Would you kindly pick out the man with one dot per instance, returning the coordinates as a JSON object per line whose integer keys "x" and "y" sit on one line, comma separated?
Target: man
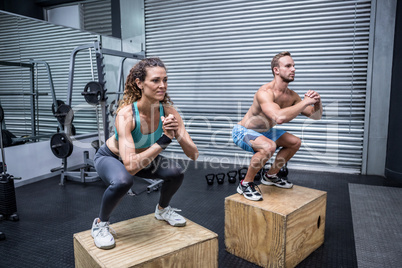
{"x": 273, "y": 104}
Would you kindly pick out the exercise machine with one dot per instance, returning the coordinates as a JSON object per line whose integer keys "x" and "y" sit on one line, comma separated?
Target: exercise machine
{"x": 9, "y": 139}
{"x": 8, "y": 203}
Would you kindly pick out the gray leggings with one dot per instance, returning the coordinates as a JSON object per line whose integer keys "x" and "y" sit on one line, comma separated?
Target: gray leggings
{"x": 112, "y": 172}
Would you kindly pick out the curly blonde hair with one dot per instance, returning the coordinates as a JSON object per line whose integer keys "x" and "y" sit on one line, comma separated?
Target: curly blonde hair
{"x": 132, "y": 92}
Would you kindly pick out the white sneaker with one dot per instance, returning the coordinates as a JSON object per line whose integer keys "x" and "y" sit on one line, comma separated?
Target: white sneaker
{"x": 249, "y": 191}
{"x": 169, "y": 214}
{"x": 275, "y": 180}
{"x": 102, "y": 237}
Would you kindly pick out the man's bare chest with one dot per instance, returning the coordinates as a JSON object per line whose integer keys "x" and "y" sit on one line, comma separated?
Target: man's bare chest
{"x": 284, "y": 100}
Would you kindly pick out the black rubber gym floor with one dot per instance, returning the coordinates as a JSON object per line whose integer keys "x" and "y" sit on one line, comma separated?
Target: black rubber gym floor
{"x": 50, "y": 214}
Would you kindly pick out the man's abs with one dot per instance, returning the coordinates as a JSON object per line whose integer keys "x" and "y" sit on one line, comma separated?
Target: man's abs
{"x": 257, "y": 122}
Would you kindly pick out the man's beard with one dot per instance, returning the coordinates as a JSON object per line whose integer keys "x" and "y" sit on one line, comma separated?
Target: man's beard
{"x": 287, "y": 80}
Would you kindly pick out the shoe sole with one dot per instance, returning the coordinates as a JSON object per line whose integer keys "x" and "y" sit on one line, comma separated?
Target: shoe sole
{"x": 239, "y": 191}
{"x": 174, "y": 225}
{"x": 103, "y": 247}
{"x": 274, "y": 184}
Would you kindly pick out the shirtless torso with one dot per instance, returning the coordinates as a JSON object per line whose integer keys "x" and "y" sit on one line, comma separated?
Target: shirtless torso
{"x": 259, "y": 120}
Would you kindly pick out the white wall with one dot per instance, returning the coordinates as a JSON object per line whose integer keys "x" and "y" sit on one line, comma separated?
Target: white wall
{"x": 132, "y": 29}
{"x": 69, "y": 16}
{"x": 33, "y": 161}
{"x": 132, "y": 25}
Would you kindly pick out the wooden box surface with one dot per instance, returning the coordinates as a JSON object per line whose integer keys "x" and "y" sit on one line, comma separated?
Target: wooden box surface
{"x": 148, "y": 242}
{"x": 280, "y": 231}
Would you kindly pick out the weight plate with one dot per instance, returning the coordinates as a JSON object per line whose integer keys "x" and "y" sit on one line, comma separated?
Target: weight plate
{"x": 6, "y": 137}
{"x": 93, "y": 93}
{"x": 73, "y": 130}
{"x": 64, "y": 114}
{"x": 61, "y": 145}
{"x": 59, "y": 102}
{"x": 95, "y": 144}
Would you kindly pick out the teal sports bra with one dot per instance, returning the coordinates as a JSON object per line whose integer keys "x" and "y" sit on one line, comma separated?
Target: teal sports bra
{"x": 141, "y": 140}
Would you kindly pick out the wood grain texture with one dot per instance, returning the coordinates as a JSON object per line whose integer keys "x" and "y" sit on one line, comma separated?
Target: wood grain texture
{"x": 147, "y": 242}
{"x": 305, "y": 230}
{"x": 279, "y": 231}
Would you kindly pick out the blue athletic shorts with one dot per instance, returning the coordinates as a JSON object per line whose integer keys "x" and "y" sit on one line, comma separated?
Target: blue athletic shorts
{"x": 242, "y": 136}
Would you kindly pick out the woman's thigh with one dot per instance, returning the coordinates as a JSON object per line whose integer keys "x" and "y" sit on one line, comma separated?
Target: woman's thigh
{"x": 161, "y": 168}
{"x": 112, "y": 170}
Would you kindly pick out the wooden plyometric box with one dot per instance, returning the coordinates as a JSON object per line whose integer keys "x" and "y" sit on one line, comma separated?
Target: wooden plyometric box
{"x": 279, "y": 231}
{"x": 148, "y": 242}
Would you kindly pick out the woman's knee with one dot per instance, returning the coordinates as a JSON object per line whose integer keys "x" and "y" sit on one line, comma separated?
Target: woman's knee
{"x": 174, "y": 172}
{"x": 177, "y": 172}
{"x": 167, "y": 167}
{"x": 123, "y": 183}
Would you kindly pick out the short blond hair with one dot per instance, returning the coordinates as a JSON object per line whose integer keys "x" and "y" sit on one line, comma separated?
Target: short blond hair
{"x": 275, "y": 60}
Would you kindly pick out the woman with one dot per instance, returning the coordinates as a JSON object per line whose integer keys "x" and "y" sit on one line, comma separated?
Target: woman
{"x": 146, "y": 123}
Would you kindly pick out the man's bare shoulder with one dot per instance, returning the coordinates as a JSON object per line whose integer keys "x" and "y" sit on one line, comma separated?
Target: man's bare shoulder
{"x": 268, "y": 87}
{"x": 265, "y": 90}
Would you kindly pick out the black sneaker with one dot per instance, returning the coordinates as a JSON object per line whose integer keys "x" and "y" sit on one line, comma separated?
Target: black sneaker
{"x": 275, "y": 180}
{"x": 249, "y": 191}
